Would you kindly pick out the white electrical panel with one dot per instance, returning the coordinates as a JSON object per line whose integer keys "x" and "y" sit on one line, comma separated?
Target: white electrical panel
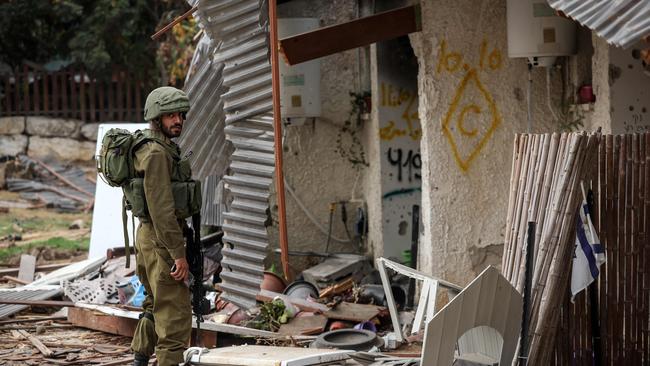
{"x": 299, "y": 84}
{"x": 535, "y": 31}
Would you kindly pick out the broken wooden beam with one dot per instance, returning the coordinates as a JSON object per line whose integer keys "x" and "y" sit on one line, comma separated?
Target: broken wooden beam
{"x": 119, "y": 325}
{"x": 15, "y": 280}
{"x": 356, "y": 33}
{"x": 42, "y": 268}
{"x": 38, "y": 302}
{"x": 33, "y": 320}
{"x": 35, "y": 341}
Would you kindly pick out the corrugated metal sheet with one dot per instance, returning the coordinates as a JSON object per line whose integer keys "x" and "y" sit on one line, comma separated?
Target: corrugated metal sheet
{"x": 621, "y": 22}
{"x": 239, "y": 27}
{"x": 22, "y": 293}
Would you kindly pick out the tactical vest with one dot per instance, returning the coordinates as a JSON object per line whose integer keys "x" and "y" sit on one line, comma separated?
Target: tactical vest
{"x": 186, "y": 192}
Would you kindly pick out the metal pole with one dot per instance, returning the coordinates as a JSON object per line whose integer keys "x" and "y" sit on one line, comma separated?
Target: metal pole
{"x": 277, "y": 122}
{"x": 528, "y": 286}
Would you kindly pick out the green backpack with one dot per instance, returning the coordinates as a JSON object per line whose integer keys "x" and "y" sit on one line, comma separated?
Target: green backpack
{"x": 115, "y": 160}
{"x": 116, "y": 167}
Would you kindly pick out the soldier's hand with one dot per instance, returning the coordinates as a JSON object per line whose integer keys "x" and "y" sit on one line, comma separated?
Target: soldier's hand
{"x": 181, "y": 271}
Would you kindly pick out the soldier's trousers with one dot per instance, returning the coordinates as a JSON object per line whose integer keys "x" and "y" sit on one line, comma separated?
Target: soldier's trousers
{"x": 167, "y": 299}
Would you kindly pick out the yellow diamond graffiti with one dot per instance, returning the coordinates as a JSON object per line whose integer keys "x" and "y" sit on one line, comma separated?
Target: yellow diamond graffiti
{"x": 473, "y": 115}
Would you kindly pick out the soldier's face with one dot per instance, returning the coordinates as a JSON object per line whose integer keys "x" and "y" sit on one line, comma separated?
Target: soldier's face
{"x": 172, "y": 124}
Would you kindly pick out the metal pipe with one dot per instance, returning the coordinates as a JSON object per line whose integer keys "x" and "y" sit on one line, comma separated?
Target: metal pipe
{"x": 277, "y": 136}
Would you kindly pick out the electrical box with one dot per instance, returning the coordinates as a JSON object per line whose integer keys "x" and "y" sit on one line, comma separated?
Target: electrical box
{"x": 535, "y": 31}
{"x": 299, "y": 84}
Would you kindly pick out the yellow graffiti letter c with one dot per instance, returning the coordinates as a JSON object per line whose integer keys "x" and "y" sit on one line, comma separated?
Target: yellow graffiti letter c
{"x": 461, "y": 119}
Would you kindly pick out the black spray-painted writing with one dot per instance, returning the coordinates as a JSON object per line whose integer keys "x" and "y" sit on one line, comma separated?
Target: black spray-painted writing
{"x": 411, "y": 161}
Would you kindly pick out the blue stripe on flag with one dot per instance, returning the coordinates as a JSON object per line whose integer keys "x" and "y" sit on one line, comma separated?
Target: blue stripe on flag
{"x": 586, "y": 248}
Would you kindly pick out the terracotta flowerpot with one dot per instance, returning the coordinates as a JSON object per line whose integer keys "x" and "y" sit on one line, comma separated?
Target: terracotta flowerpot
{"x": 273, "y": 282}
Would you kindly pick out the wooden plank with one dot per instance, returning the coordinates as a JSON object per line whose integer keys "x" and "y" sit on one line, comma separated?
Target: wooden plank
{"x": 121, "y": 325}
{"x": 27, "y": 268}
{"x": 119, "y": 99}
{"x": 90, "y": 319}
{"x": 93, "y": 99}
{"x": 33, "y": 320}
{"x": 354, "y": 312}
{"x": 138, "y": 100}
{"x": 41, "y": 268}
{"x": 305, "y": 325}
{"x": 46, "y": 92}
{"x": 36, "y": 90}
{"x": 360, "y": 32}
{"x": 38, "y": 302}
{"x": 74, "y": 101}
{"x": 17, "y": 106}
{"x": 56, "y": 101}
{"x": 130, "y": 113}
{"x": 7, "y": 95}
{"x": 82, "y": 94}
{"x": 15, "y": 280}
{"x": 65, "y": 108}
{"x": 35, "y": 341}
{"x": 101, "y": 105}
{"x": 26, "y": 104}
{"x": 110, "y": 105}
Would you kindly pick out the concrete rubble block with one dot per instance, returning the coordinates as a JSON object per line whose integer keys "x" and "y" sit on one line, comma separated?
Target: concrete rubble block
{"x": 12, "y": 144}
{"x": 61, "y": 149}
{"x": 13, "y": 125}
{"x": 52, "y": 127}
{"x": 89, "y": 131}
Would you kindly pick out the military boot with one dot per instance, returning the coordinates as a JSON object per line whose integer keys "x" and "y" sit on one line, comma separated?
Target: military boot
{"x": 140, "y": 360}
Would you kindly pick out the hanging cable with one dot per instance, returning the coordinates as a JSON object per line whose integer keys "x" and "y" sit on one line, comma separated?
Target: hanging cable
{"x": 310, "y": 215}
{"x": 548, "y": 94}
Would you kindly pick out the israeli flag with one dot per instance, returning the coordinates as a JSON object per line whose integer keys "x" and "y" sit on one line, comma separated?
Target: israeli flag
{"x": 589, "y": 253}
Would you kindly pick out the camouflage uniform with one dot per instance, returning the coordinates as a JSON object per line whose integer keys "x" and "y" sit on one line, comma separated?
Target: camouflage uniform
{"x": 165, "y": 326}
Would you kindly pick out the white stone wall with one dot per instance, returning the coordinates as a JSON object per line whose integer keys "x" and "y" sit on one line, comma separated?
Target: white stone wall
{"x": 472, "y": 102}
{"x": 45, "y": 137}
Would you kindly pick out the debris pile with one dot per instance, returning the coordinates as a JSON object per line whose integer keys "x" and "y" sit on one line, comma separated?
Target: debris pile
{"x": 52, "y": 185}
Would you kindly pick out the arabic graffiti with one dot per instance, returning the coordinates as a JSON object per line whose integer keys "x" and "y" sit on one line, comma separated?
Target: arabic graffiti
{"x": 409, "y": 124}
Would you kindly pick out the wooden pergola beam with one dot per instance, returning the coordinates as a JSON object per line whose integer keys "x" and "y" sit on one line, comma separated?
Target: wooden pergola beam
{"x": 356, "y": 33}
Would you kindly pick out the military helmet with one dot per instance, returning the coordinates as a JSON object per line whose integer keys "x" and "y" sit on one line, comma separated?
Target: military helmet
{"x": 165, "y": 99}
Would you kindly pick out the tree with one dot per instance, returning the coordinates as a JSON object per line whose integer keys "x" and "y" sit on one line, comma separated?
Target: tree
{"x": 99, "y": 34}
{"x": 36, "y": 30}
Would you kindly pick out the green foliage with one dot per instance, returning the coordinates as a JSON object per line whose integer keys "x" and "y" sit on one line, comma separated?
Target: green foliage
{"x": 348, "y": 141}
{"x": 99, "y": 34}
{"x": 271, "y": 316}
{"x": 36, "y": 30}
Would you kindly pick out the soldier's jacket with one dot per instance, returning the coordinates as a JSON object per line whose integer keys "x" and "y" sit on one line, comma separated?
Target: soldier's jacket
{"x": 154, "y": 162}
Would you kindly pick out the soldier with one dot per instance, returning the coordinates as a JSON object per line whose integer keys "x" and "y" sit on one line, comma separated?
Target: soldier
{"x": 165, "y": 324}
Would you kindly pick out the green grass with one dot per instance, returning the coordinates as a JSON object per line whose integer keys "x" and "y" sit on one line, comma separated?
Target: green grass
{"x": 53, "y": 243}
{"x": 7, "y": 224}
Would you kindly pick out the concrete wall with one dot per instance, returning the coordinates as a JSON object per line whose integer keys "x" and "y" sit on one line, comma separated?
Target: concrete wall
{"x": 318, "y": 156}
{"x": 399, "y": 133}
{"x": 629, "y": 94}
{"x": 472, "y": 102}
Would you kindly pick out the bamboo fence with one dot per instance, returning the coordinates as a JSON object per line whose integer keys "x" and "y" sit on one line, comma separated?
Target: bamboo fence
{"x": 622, "y": 199}
{"x": 545, "y": 188}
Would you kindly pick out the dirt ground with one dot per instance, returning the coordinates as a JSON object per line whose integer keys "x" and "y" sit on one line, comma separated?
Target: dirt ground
{"x": 49, "y": 235}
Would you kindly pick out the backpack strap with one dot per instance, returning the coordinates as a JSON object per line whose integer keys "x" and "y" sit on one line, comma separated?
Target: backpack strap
{"x": 126, "y": 233}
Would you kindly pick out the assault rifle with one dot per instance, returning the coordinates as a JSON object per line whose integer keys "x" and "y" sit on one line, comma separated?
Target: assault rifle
{"x": 194, "y": 254}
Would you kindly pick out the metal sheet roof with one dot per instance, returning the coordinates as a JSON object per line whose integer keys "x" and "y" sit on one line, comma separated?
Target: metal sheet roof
{"x": 239, "y": 30}
{"x": 23, "y": 293}
{"x": 621, "y": 22}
